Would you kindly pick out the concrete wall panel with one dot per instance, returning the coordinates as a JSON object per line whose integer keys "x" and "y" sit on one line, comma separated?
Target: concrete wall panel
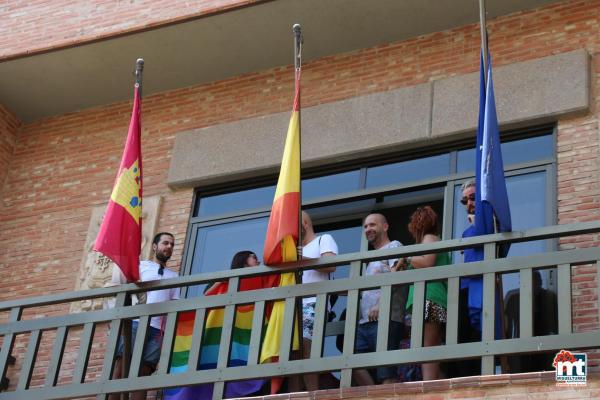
{"x": 330, "y": 133}
{"x": 528, "y": 92}
{"x": 532, "y": 91}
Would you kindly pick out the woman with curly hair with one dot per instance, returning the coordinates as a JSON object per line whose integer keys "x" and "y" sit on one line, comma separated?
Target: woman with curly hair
{"x": 423, "y": 227}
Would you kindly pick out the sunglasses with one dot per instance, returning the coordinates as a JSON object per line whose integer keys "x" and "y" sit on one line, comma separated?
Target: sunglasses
{"x": 466, "y": 199}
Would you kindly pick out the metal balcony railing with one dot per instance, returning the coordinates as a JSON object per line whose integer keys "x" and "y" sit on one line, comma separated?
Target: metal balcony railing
{"x": 486, "y": 349}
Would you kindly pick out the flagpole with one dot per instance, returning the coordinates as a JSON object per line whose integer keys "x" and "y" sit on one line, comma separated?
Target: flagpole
{"x": 298, "y": 39}
{"x": 499, "y": 287}
{"x": 484, "y": 38}
{"x": 126, "y": 358}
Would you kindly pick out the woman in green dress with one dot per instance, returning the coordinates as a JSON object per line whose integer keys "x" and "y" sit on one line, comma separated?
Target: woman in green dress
{"x": 423, "y": 227}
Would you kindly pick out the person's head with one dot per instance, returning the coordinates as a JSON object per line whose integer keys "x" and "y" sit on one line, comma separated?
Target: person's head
{"x": 162, "y": 246}
{"x": 424, "y": 221}
{"x": 307, "y": 225}
{"x": 468, "y": 196}
{"x": 376, "y": 228}
{"x": 244, "y": 258}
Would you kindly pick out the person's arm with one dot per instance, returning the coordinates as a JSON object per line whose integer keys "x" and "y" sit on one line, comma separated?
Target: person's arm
{"x": 328, "y": 247}
{"x": 426, "y": 260}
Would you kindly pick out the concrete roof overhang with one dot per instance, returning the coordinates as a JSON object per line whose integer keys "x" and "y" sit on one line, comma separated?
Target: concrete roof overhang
{"x": 222, "y": 45}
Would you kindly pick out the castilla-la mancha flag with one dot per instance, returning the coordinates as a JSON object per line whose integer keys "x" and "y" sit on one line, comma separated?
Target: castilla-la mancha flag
{"x": 120, "y": 235}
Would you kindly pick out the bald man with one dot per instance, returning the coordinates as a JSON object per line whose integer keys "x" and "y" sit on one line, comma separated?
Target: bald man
{"x": 376, "y": 231}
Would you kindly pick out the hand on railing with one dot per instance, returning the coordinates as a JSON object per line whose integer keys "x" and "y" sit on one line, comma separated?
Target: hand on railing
{"x": 374, "y": 313}
{"x": 400, "y": 265}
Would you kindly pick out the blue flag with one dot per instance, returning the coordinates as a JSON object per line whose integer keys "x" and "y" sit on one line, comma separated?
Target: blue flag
{"x": 491, "y": 196}
{"x": 492, "y": 211}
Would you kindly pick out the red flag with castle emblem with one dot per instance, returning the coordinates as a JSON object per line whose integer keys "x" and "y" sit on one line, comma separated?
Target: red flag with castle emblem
{"x": 120, "y": 235}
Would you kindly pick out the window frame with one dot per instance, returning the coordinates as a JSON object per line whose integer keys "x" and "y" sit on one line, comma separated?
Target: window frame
{"x": 447, "y": 182}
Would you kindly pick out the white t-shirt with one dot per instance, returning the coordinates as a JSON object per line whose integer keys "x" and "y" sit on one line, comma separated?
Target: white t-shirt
{"x": 315, "y": 249}
{"x": 370, "y": 298}
{"x": 149, "y": 272}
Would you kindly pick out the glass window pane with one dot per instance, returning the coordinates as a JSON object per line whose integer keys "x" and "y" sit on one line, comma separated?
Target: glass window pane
{"x": 216, "y": 245}
{"x": 408, "y": 171}
{"x": 527, "y": 198}
{"x": 330, "y": 184}
{"x": 415, "y": 197}
{"x": 237, "y": 201}
{"x": 514, "y": 152}
{"x": 263, "y": 197}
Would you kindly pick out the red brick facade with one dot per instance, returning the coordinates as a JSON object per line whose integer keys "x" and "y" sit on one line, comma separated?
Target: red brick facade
{"x": 55, "y": 169}
{"x": 530, "y": 386}
{"x": 45, "y": 25}
{"x": 9, "y": 125}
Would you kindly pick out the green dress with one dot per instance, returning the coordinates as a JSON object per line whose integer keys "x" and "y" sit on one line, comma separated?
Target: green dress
{"x": 436, "y": 291}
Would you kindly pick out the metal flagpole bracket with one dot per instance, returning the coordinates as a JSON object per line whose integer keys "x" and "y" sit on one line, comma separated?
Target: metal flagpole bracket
{"x": 139, "y": 67}
{"x": 297, "y": 29}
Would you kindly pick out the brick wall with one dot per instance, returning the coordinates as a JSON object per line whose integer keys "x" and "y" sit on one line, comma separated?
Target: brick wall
{"x": 9, "y": 125}
{"x": 43, "y": 25}
{"x": 530, "y": 386}
{"x": 64, "y": 165}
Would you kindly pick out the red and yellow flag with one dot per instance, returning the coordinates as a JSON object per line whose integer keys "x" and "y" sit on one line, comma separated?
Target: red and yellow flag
{"x": 282, "y": 232}
{"x": 120, "y": 235}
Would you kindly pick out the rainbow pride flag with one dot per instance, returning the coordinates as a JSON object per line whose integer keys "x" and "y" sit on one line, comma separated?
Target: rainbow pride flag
{"x": 210, "y": 344}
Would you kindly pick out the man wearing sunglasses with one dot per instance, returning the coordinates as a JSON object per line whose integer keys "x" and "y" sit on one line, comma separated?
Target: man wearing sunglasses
{"x": 151, "y": 270}
{"x": 471, "y": 295}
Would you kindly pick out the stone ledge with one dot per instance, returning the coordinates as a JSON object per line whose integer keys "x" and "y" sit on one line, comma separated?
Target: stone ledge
{"x": 529, "y": 92}
{"x": 537, "y": 90}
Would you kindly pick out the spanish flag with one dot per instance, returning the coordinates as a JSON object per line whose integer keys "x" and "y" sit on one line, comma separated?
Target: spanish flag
{"x": 120, "y": 235}
{"x": 282, "y": 233}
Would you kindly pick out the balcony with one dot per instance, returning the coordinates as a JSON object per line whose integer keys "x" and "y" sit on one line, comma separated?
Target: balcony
{"x": 92, "y": 350}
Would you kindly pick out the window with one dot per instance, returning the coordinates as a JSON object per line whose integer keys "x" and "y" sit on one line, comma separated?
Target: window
{"x": 224, "y": 223}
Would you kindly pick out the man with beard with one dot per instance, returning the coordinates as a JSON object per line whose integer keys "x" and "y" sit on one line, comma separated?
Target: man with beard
{"x": 376, "y": 231}
{"x": 471, "y": 291}
{"x": 151, "y": 270}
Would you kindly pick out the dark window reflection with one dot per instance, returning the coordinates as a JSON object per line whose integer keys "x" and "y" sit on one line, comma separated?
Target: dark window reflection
{"x": 263, "y": 197}
{"x": 236, "y": 201}
{"x": 517, "y": 151}
{"x": 330, "y": 184}
{"x": 408, "y": 171}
